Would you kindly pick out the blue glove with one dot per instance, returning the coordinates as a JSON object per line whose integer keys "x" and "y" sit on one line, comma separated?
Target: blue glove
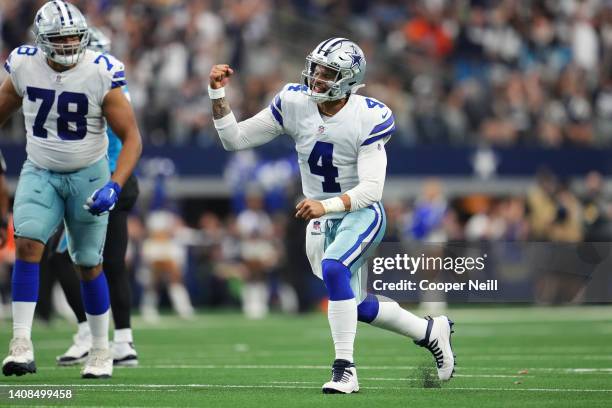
{"x": 103, "y": 199}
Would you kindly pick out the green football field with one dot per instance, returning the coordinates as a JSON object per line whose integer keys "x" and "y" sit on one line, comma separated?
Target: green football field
{"x": 523, "y": 357}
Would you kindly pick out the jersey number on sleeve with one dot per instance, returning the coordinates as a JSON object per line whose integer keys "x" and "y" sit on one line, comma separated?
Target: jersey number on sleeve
{"x": 72, "y": 108}
{"x": 323, "y": 152}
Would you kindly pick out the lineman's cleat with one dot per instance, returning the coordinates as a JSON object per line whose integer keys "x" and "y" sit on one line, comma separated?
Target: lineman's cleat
{"x": 77, "y": 352}
{"x": 344, "y": 379}
{"x": 438, "y": 341}
{"x": 99, "y": 364}
{"x": 124, "y": 354}
{"x": 20, "y": 360}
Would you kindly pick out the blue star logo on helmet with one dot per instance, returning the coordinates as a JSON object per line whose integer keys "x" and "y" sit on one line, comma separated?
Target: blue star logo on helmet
{"x": 356, "y": 59}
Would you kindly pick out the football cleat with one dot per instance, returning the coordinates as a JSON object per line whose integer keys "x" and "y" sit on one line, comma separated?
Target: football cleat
{"x": 124, "y": 354}
{"x": 77, "y": 352}
{"x": 438, "y": 341}
{"x": 99, "y": 364}
{"x": 20, "y": 360}
{"x": 344, "y": 379}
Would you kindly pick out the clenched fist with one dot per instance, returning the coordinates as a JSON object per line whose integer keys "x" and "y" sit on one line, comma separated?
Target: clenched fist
{"x": 219, "y": 75}
{"x": 309, "y": 209}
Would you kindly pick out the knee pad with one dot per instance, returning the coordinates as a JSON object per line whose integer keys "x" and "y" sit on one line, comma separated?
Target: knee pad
{"x": 368, "y": 309}
{"x": 337, "y": 278}
{"x": 87, "y": 258}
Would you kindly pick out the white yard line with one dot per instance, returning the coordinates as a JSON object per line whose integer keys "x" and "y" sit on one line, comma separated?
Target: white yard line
{"x": 163, "y": 387}
{"x": 501, "y": 371}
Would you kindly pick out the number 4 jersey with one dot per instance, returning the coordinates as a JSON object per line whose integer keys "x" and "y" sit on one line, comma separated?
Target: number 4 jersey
{"x": 328, "y": 148}
{"x": 63, "y": 110}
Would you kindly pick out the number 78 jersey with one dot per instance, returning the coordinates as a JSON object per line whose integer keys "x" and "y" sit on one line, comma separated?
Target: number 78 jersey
{"x": 328, "y": 149}
{"x": 64, "y": 125}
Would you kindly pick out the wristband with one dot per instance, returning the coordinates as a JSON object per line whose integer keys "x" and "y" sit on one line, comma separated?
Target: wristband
{"x": 333, "y": 205}
{"x": 216, "y": 93}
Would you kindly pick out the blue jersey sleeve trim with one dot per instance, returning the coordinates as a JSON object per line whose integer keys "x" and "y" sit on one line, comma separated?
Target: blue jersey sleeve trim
{"x": 277, "y": 102}
{"x": 378, "y": 137}
{"x": 118, "y": 84}
{"x": 382, "y": 126}
{"x": 277, "y": 115}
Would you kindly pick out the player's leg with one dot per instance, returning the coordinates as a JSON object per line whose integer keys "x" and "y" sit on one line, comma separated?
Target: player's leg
{"x": 86, "y": 235}
{"x": 123, "y": 349}
{"x": 431, "y": 333}
{"x": 38, "y": 209}
{"x": 115, "y": 248}
{"x": 353, "y": 238}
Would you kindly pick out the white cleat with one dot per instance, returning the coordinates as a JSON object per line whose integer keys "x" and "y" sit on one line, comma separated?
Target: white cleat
{"x": 99, "y": 364}
{"x": 438, "y": 341}
{"x": 20, "y": 360}
{"x": 344, "y": 379}
{"x": 77, "y": 352}
{"x": 124, "y": 354}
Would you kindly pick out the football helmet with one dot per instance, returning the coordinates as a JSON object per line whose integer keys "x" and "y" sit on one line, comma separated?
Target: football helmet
{"x": 98, "y": 41}
{"x": 342, "y": 56}
{"x": 56, "y": 19}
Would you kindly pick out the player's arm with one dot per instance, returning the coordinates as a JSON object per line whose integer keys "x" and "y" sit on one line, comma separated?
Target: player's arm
{"x": 120, "y": 116}
{"x": 371, "y": 169}
{"x": 4, "y": 203}
{"x": 249, "y": 133}
{"x": 10, "y": 101}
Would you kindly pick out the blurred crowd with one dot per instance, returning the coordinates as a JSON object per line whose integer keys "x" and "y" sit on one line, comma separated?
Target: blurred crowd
{"x": 501, "y": 72}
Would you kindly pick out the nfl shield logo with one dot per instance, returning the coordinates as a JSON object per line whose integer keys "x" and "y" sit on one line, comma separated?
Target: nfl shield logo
{"x": 316, "y": 226}
{"x": 321, "y": 129}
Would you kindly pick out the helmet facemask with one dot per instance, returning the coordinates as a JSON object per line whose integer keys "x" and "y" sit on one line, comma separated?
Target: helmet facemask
{"x": 333, "y": 83}
{"x": 66, "y": 54}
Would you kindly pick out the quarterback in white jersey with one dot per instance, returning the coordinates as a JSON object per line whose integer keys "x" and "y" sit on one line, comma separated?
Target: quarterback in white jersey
{"x": 68, "y": 93}
{"x": 340, "y": 140}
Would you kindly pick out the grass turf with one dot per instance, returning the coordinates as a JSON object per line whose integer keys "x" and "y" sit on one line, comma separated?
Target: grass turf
{"x": 526, "y": 357}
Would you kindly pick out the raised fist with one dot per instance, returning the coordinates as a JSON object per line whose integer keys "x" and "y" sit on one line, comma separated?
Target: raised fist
{"x": 219, "y": 75}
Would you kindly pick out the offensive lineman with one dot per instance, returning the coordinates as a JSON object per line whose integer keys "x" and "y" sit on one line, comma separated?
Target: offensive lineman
{"x": 68, "y": 93}
{"x": 339, "y": 137}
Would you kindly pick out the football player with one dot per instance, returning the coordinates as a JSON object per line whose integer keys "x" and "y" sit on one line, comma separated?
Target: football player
{"x": 340, "y": 140}
{"x": 122, "y": 347}
{"x": 68, "y": 93}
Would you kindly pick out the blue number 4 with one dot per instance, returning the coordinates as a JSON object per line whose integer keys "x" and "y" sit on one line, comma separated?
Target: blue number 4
{"x": 65, "y": 114}
{"x": 372, "y": 103}
{"x": 323, "y": 152}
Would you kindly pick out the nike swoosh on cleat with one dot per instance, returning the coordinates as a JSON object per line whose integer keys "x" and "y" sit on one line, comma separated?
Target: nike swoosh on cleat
{"x": 385, "y": 115}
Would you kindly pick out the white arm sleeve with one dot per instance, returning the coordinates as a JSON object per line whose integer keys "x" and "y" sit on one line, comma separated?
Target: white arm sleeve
{"x": 371, "y": 168}
{"x": 252, "y": 132}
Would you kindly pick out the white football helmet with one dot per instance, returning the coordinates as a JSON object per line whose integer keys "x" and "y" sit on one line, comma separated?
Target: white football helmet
{"x": 98, "y": 41}
{"x": 57, "y": 19}
{"x": 341, "y": 55}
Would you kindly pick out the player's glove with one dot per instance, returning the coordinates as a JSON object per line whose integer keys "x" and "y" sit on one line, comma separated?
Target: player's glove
{"x": 103, "y": 199}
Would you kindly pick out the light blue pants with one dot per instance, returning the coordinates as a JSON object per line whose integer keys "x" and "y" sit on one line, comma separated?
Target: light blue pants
{"x": 350, "y": 240}
{"x": 44, "y": 198}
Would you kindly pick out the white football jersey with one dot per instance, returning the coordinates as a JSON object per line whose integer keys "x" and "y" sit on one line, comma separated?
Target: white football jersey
{"x": 63, "y": 110}
{"x": 328, "y": 149}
